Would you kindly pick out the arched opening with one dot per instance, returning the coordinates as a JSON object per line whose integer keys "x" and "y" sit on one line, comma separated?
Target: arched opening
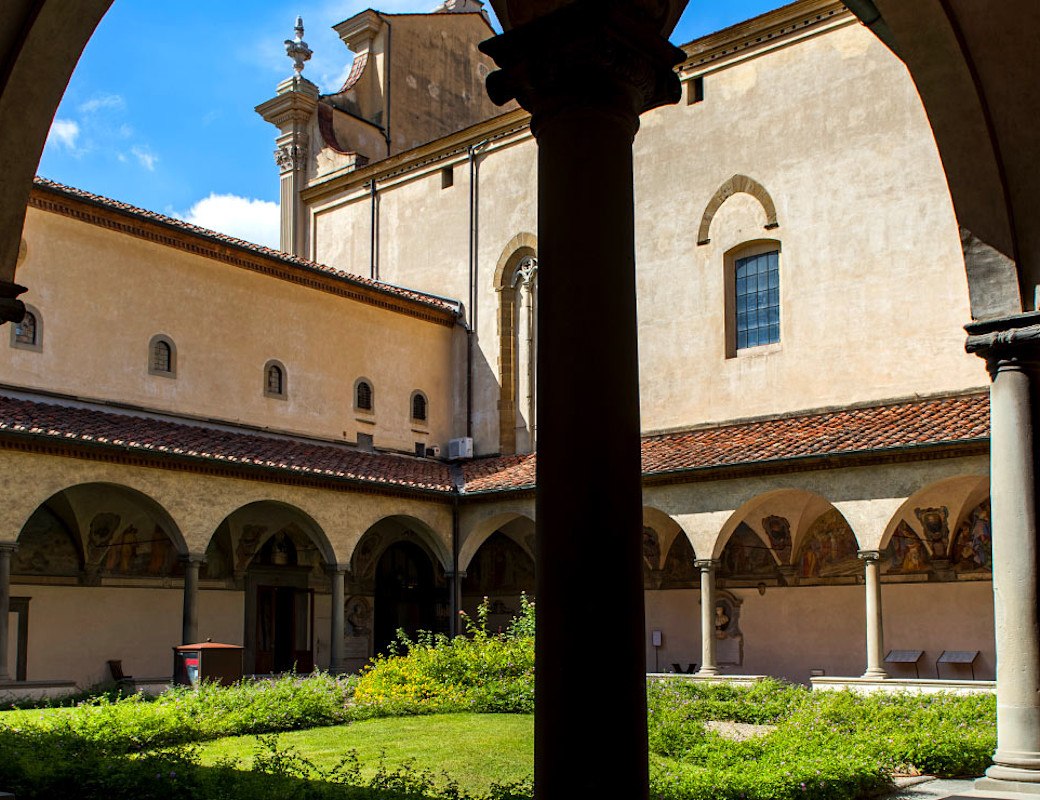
{"x": 277, "y": 556}
{"x": 501, "y": 570}
{"x": 405, "y": 594}
{"x": 516, "y": 281}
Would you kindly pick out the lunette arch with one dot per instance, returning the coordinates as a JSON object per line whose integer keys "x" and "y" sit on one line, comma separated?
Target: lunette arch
{"x": 738, "y": 184}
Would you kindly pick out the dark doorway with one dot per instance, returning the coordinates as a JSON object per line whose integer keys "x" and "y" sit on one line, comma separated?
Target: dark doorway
{"x": 284, "y": 633}
{"x": 406, "y": 595}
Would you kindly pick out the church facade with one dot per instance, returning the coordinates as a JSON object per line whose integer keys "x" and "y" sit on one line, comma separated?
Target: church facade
{"x": 293, "y": 452}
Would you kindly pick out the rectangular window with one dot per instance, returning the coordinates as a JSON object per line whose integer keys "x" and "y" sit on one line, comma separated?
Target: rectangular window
{"x": 757, "y": 299}
{"x": 447, "y": 177}
{"x": 695, "y": 90}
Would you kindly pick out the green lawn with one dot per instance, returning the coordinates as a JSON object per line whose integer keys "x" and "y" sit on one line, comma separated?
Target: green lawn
{"x": 474, "y": 749}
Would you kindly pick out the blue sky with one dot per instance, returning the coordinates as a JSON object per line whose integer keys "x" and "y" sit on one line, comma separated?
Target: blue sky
{"x": 159, "y": 112}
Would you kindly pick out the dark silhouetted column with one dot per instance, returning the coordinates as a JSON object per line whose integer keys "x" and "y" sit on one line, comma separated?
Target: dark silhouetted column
{"x": 1011, "y": 347}
{"x": 586, "y": 72}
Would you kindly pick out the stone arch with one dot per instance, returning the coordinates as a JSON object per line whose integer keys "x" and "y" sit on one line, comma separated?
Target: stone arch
{"x": 480, "y": 533}
{"x": 521, "y": 246}
{"x": 244, "y": 532}
{"x": 389, "y": 529}
{"x": 667, "y": 531}
{"x": 738, "y": 184}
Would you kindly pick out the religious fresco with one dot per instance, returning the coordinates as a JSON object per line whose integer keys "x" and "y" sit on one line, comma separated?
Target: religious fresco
{"x": 140, "y": 552}
{"x": 680, "y": 566}
{"x": 103, "y": 528}
{"x": 906, "y": 552}
{"x": 651, "y": 547}
{"x": 248, "y": 542}
{"x": 778, "y": 529}
{"x": 45, "y": 547}
{"x": 746, "y": 554}
{"x": 934, "y": 522}
{"x": 829, "y": 549}
{"x": 972, "y": 545}
{"x": 218, "y": 564}
{"x": 500, "y": 566}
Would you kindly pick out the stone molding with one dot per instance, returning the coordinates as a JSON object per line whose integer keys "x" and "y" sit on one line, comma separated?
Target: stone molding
{"x": 1004, "y": 341}
{"x": 870, "y": 555}
{"x": 589, "y": 55}
{"x": 705, "y": 564}
{"x": 738, "y": 184}
{"x": 290, "y": 157}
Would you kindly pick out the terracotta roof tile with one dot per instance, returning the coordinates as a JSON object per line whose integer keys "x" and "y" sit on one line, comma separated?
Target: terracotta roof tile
{"x": 921, "y": 423}
{"x": 288, "y": 258}
{"x": 915, "y": 424}
{"x": 147, "y": 435}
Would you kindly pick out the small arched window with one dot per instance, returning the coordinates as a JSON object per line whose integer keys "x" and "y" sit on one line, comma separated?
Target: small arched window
{"x": 363, "y": 396}
{"x": 28, "y": 334}
{"x": 162, "y": 356}
{"x": 419, "y": 410}
{"x": 274, "y": 380}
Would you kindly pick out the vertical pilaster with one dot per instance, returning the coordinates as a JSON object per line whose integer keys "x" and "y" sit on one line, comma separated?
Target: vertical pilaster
{"x": 1011, "y": 347}
{"x": 585, "y": 83}
{"x": 6, "y": 551}
{"x": 190, "y": 616}
{"x": 875, "y": 624}
{"x": 337, "y": 657}
{"x": 709, "y": 659}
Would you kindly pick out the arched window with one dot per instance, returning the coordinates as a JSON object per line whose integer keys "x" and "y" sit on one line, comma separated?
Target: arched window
{"x": 363, "y": 400}
{"x": 516, "y": 281}
{"x": 28, "y": 334}
{"x": 419, "y": 409}
{"x": 162, "y": 356}
{"x": 274, "y": 380}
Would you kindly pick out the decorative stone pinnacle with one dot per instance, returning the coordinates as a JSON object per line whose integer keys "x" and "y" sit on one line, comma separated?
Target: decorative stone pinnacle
{"x": 297, "y": 49}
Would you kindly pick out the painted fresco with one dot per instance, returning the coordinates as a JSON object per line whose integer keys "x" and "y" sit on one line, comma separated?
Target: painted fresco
{"x": 103, "y": 528}
{"x": 140, "y": 552}
{"x": 906, "y": 552}
{"x": 651, "y": 547}
{"x": 218, "y": 563}
{"x": 248, "y": 543}
{"x": 746, "y": 554}
{"x": 778, "y": 529}
{"x": 829, "y": 549}
{"x": 934, "y": 522}
{"x": 500, "y": 566}
{"x": 972, "y": 546}
{"x": 680, "y": 565}
{"x": 45, "y": 547}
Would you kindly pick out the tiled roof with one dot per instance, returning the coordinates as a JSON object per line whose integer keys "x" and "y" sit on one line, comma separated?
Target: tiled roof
{"x": 150, "y": 436}
{"x": 923, "y": 423}
{"x": 286, "y": 258}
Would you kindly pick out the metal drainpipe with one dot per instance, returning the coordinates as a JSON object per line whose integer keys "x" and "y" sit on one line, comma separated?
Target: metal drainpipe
{"x": 474, "y": 221}
{"x": 389, "y": 44}
{"x": 453, "y": 605}
{"x": 374, "y": 235}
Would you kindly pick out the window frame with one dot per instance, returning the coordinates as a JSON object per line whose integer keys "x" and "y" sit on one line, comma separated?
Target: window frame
{"x": 750, "y": 249}
{"x": 278, "y": 365}
{"x": 368, "y": 412}
{"x": 36, "y": 345}
{"x": 423, "y": 422}
{"x": 152, "y": 370}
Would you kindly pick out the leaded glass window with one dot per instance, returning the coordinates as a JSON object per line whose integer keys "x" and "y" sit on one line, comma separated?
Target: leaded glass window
{"x": 162, "y": 357}
{"x": 757, "y": 298}
{"x": 275, "y": 379}
{"x": 25, "y": 331}
{"x": 364, "y": 396}
{"x": 418, "y": 407}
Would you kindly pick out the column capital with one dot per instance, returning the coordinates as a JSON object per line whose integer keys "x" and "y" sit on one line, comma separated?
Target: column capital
{"x": 193, "y": 558}
{"x": 8, "y": 548}
{"x": 11, "y": 308}
{"x": 870, "y": 555}
{"x": 705, "y": 564}
{"x": 1006, "y": 342}
{"x": 337, "y": 569}
{"x": 588, "y": 55}
{"x": 460, "y": 574}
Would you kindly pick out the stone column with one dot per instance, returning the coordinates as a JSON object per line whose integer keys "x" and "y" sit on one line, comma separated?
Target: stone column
{"x": 585, "y": 72}
{"x": 1011, "y": 347}
{"x": 190, "y": 618}
{"x": 875, "y": 626}
{"x": 6, "y": 551}
{"x": 709, "y": 661}
{"x": 339, "y": 601}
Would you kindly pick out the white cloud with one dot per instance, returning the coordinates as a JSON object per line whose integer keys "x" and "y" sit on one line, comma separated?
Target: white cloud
{"x": 146, "y": 158}
{"x": 64, "y": 132}
{"x": 244, "y": 218}
{"x": 109, "y": 101}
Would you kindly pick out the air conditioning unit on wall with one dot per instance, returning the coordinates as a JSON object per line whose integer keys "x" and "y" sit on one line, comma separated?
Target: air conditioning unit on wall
{"x": 460, "y": 448}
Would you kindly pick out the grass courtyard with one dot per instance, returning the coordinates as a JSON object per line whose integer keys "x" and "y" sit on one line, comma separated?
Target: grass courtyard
{"x": 451, "y": 720}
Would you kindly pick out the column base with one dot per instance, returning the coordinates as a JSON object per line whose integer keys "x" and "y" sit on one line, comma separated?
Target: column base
{"x": 991, "y": 788}
{"x": 708, "y": 672}
{"x": 875, "y": 674}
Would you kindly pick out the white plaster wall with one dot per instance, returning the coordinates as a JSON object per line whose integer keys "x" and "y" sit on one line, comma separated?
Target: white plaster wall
{"x": 676, "y": 613}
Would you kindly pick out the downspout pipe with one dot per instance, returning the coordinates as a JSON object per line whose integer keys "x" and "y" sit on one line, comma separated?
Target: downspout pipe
{"x": 474, "y": 233}
{"x": 373, "y": 267}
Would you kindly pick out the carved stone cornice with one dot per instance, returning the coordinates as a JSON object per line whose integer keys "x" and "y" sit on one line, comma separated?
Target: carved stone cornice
{"x": 592, "y": 54}
{"x": 1006, "y": 341}
{"x": 11, "y": 308}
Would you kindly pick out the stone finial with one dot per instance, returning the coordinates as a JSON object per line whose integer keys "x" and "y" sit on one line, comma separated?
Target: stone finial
{"x": 297, "y": 49}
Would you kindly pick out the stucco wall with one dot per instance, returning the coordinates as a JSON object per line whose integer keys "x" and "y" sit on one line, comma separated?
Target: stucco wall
{"x": 226, "y": 323}
{"x": 789, "y": 631}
